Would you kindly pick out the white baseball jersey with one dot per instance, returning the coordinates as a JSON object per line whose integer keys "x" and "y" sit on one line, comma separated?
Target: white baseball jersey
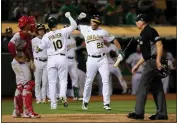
{"x": 95, "y": 39}
{"x": 71, "y": 47}
{"x": 55, "y": 41}
{"x": 35, "y": 42}
{"x": 133, "y": 59}
{"x": 107, "y": 50}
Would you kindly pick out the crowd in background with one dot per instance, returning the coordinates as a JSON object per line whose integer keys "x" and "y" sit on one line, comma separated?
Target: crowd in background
{"x": 113, "y": 12}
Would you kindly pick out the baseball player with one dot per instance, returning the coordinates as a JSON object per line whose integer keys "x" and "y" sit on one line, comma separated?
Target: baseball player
{"x": 72, "y": 64}
{"x": 97, "y": 60}
{"x": 165, "y": 81}
{"x": 112, "y": 55}
{"x": 132, "y": 60}
{"x": 55, "y": 42}
{"x": 21, "y": 50}
{"x": 40, "y": 61}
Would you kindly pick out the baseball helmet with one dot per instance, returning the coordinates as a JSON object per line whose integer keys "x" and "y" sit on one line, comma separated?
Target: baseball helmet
{"x": 39, "y": 27}
{"x": 9, "y": 30}
{"x": 142, "y": 17}
{"x": 52, "y": 22}
{"x": 164, "y": 71}
{"x": 96, "y": 19}
{"x": 23, "y": 21}
{"x": 32, "y": 21}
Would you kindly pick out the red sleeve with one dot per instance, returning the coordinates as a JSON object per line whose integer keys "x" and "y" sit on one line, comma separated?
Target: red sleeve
{"x": 11, "y": 48}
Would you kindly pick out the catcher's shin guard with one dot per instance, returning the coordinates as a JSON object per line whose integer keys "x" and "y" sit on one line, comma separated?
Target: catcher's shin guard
{"x": 18, "y": 100}
{"x": 27, "y": 96}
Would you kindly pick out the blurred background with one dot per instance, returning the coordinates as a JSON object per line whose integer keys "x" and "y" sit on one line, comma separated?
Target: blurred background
{"x": 118, "y": 17}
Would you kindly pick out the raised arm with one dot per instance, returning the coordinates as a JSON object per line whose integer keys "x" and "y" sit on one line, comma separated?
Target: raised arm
{"x": 73, "y": 24}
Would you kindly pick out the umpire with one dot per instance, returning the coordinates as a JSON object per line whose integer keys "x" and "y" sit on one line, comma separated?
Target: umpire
{"x": 152, "y": 48}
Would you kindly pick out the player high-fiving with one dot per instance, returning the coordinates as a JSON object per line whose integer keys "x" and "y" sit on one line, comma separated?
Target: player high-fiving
{"x": 97, "y": 60}
{"x": 56, "y": 45}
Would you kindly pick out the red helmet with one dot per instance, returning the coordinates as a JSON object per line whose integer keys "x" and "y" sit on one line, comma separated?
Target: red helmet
{"x": 32, "y": 21}
{"x": 23, "y": 21}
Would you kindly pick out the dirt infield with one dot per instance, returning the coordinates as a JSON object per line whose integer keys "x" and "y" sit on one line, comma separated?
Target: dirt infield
{"x": 91, "y": 117}
{"x": 82, "y": 118}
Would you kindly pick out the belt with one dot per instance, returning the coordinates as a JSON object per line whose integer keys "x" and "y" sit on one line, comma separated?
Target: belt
{"x": 98, "y": 56}
{"x": 70, "y": 57}
{"x": 58, "y": 54}
{"x": 43, "y": 60}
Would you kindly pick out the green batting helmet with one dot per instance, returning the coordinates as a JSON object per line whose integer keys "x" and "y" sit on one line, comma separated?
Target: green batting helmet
{"x": 52, "y": 22}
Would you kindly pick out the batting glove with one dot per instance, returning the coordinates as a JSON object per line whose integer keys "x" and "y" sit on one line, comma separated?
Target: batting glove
{"x": 120, "y": 52}
{"x": 82, "y": 15}
{"x": 67, "y": 14}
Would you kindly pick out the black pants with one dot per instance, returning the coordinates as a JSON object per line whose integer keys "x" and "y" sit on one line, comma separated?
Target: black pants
{"x": 150, "y": 80}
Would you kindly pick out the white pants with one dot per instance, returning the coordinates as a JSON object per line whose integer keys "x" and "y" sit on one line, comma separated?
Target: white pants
{"x": 40, "y": 74}
{"x": 118, "y": 74}
{"x": 81, "y": 81}
{"x": 57, "y": 67}
{"x": 72, "y": 68}
{"x": 165, "y": 82}
{"x": 22, "y": 72}
{"x": 135, "y": 81}
{"x": 94, "y": 65}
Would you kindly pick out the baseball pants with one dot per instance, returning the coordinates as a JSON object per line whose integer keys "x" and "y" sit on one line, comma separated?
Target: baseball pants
{"x": 57, "y": 67}
{"x": 40, "y": 76}
{"x": 93, "y": 65}
{"x": 118, "y": 74}
{"x": 135, "y": 81}
{"x": 165, "y": 82}
{"x": 72, "y": 68}
{"x": 150, "y": 80}
{"x": 23, "y": 92}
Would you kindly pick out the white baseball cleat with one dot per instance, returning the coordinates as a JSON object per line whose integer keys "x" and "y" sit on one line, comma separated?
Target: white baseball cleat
{"x": 80, "y": 98}
{"x": 44, "y": 101}
{"x": 107, "y": 107}
{"x": 16, "y": 115}
{"x": 75, "y": 98}
{"x": 31, "y": 115}
{"x": 54, "y": 106}
{"x": 38, "y": 101}
{"x": 124, "y": 90}
{"x": 84, "y": 106}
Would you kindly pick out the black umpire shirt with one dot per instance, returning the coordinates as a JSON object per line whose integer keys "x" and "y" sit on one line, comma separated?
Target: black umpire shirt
{"x": 148, "y": 37}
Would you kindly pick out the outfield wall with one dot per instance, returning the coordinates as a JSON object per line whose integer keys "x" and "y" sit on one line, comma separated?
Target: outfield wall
{"x": 122, "y": 31}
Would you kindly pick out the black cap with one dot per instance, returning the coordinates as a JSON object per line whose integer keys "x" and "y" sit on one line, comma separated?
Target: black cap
{"x": 96, "y": 18}
{"x": 142, "y": 17}
{"x": 40, "y": 26}
{"x": 52, "y": 22}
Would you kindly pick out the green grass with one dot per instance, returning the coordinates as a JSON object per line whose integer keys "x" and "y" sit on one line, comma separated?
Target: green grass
{"x": 121, "y": 107}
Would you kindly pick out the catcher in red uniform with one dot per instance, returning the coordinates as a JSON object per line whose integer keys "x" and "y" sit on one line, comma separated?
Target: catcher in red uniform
{"x": 22, "y": 64}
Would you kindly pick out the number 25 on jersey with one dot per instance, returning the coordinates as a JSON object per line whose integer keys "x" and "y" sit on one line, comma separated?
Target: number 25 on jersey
{"x": 57, "y": 44}
{"x": 100, "y": 45}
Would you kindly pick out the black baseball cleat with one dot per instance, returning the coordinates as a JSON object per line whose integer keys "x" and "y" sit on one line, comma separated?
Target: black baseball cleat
{"x": 64, "y": 101}
{"x": 157, "y": 117}
{"x": 135, "y": 116}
